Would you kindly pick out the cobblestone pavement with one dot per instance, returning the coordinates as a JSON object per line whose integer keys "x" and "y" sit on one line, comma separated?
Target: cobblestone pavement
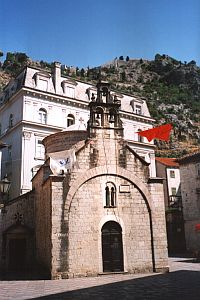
{"x": 183, "y": 282}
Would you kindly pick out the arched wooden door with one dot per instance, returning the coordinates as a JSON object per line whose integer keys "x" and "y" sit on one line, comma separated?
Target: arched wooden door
{"x": 112, "y": 248}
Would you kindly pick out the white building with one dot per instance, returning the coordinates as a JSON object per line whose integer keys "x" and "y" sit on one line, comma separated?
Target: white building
{"x": 38, "y": 103}
{"x": 168, "y": 168}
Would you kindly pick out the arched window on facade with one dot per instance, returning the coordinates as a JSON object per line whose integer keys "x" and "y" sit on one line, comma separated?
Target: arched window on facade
{"x": 11, "y": 121}
{"x": 42, "y": 116}
{"x": 110, "y": 195}
{"x": 70, "y": 120}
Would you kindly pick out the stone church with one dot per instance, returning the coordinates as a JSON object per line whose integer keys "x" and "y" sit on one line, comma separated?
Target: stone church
{"x": 93, "y": 209}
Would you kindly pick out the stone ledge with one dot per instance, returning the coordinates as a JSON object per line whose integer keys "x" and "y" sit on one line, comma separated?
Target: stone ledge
{"x": 112, "y": 273}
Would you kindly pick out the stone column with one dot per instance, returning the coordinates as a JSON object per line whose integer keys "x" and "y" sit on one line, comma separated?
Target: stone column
{"x": 159, "y": 225}
{"x": 26, "y": 163}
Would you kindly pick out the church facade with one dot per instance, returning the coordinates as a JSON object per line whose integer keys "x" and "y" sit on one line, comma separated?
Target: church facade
{"x": 94, "y": 208}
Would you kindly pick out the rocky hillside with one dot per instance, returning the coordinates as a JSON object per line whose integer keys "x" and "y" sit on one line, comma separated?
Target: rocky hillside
{"x": 172, "y": 91}
{"x": 170, "y": 87}
{"x": 12, "y": 65}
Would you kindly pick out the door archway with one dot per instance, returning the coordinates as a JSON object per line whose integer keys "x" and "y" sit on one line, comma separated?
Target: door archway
{"x": 18, "y": 248}
{"x": 112, "y": 247}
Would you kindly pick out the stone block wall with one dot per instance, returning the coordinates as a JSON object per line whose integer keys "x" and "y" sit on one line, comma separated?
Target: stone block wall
{"x": 59, "y": 233}
{"x": 87, "y": 216}
{"x": 70, "y": 211}
{"x": 190, "y": 183}
{"x": 159, "y": 225}
{"x": 140, "y": 211}
{"x": 82, "y": 253}
{"x": 43, "y": 222}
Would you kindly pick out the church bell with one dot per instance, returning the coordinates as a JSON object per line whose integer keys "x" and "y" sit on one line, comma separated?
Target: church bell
{"x": 111, "y": 118}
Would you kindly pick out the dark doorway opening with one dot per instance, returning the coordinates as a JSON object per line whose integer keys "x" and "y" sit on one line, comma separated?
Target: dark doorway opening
{"x": 17, "y": 254}
{"x": 112, "y": 248}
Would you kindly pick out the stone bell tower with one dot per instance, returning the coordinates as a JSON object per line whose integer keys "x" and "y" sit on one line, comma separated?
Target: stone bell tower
{"x": 104, "y": 111}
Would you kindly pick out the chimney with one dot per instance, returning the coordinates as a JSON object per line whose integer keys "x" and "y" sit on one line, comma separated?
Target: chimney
{"x": 57, "y": 77}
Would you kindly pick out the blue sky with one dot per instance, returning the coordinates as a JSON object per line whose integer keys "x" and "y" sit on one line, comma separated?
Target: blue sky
{"x": 89, "y": 33}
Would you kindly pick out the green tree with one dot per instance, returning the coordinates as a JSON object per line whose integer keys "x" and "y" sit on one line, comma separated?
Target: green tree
{"x": 21, "y": 57}
{"x": 158, "y": 56}
{"x": 77, "y": 71}
{"x": 192, "y": 62}
{"x": 123, "y": 76}
{"x": 82, "y": 72}
{"x": 10, "y": 57}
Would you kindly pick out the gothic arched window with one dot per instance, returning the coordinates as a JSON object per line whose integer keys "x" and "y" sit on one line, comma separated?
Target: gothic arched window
{"x": 110, "y": 195}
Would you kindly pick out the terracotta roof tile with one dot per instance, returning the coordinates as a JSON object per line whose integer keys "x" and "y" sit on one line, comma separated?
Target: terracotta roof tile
{"x": 169, "y": 162}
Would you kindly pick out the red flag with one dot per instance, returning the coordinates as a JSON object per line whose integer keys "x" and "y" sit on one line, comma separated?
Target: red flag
{"x": 161, "y": 132}
{"x": 197, "y": 227}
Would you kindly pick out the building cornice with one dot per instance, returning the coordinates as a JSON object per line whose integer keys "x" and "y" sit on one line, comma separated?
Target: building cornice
{"x": 33, "y": 125}
{"x": 136, "y": 117}
{"x": 74, "y": 102}
{"x": 56, "y": 98}
{"x": 43, "y": 126}
{"x": 142, "y": 144}
{"x": 83, "y": 104}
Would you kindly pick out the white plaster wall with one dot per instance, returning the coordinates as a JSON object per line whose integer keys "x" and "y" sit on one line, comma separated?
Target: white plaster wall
{"x": 131, "y": 128}
{"x": 12, "y": 165}
{"x": 173, "y": 182}
{"x": 13, "y": 107}
{"x": 56, "y": 113}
